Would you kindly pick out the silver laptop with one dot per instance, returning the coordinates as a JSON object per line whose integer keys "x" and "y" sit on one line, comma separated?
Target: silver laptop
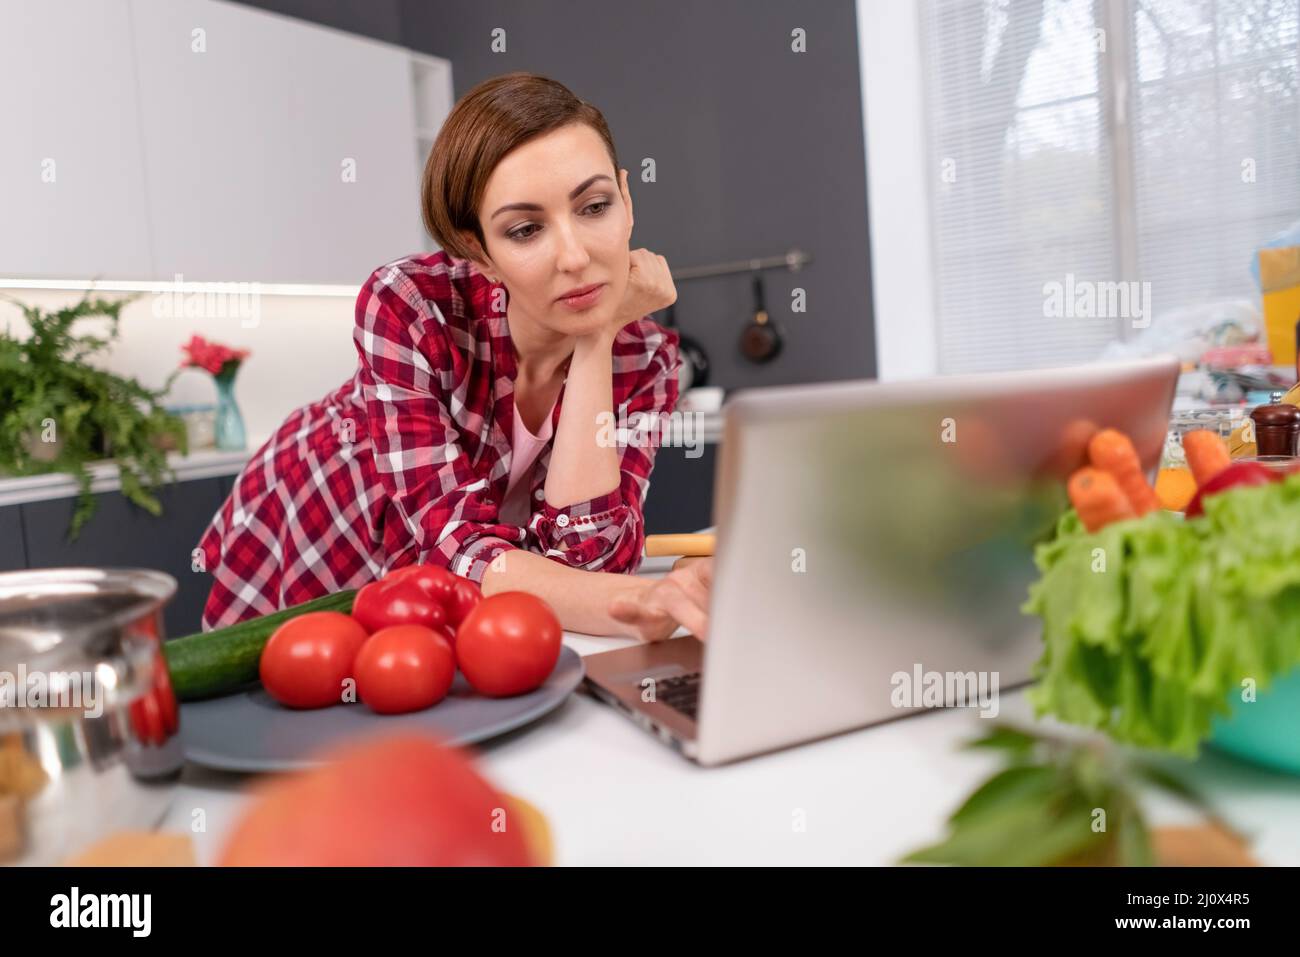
{"x": 874, "y": 546}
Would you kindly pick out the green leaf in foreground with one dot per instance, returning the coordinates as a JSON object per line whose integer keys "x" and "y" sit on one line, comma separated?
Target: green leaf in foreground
{"x": 1056, "y": 802}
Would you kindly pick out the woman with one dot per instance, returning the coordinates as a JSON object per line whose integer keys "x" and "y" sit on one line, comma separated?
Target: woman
{"x": 470, "y": 435}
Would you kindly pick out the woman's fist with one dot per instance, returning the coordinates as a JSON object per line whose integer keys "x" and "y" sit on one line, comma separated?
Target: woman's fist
{"x": 649, "y": 287}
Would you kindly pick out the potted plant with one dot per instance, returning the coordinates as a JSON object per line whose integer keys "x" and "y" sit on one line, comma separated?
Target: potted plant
{"x": 58, "y": 412}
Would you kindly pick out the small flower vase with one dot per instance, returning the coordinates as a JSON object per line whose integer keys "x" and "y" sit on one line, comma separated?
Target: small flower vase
{"x": 230, "y": 423}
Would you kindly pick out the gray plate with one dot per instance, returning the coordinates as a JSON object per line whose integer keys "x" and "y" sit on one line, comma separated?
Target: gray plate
{"x": 249, "y": 731}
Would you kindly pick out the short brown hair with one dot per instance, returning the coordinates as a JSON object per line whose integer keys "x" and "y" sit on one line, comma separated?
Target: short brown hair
{"x": 487, "y": 123}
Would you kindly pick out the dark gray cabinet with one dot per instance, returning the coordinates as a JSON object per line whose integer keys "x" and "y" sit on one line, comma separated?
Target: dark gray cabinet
{"x": 13, "y": 545}
{"x": 680, "y": 497}
{"x": 120, "y": 534}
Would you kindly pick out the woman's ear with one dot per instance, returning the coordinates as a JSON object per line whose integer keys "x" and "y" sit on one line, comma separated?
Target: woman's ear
{"x": 627, "y": 199}
{"x": 478, "y": 256}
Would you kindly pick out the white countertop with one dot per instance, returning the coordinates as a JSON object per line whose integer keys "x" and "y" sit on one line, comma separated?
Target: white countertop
{"x": 615, "y": 795}
{"x": 205, "y": 463}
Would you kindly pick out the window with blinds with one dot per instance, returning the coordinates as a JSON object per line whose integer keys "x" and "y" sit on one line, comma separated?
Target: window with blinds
{"x": 1216, "y": 151}
{"x": 1083, "y": 145}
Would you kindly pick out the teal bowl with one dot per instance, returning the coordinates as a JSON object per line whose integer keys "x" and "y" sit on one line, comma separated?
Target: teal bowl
{"x": 1265, "y": 731}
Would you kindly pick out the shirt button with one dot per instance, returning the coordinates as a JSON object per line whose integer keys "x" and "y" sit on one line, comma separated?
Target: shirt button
{"x": 562, "y": 520}
{"x": 539, "y": 494}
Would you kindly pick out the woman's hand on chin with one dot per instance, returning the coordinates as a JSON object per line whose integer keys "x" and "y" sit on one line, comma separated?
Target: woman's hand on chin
{"x": 649, "y": 288}
{"x": 658, "y": 607}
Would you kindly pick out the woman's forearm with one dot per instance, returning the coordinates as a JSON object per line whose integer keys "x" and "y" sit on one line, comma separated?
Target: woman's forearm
{"x": 580, "y": 598}
{"x": 581, "y": 468}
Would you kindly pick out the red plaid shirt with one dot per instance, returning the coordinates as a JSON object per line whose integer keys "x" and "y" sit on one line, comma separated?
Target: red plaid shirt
{"x": 408, "y": 461}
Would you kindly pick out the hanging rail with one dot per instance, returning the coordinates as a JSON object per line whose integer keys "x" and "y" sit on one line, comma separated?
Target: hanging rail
{"x": 794, "y": 260}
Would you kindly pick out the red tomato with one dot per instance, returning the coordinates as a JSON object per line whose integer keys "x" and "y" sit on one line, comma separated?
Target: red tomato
{"x": 465, "y": 597}
{"x": 404, "y": 668}
{"x": 147, "y": 720}
{"x": 433, "y": 580}
{"x": 508, "y": 644}
{"x": 401, "y": 801}
{"x": 392, "y": 601}
{"x": 307, "y": 659}
{"x": 1236, "y": 475}
{"x": 153, "y": 715}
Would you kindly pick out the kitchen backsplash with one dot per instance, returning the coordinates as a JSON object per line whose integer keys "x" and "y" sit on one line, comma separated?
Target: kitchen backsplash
{"x": 301, "y": 348}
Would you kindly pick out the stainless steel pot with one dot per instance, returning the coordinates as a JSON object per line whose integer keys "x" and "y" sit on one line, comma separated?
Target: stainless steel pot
{"x": 88, "y": 720}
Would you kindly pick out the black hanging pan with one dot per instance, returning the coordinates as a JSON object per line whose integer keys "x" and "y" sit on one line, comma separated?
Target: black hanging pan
{"x": 761, "y": 340}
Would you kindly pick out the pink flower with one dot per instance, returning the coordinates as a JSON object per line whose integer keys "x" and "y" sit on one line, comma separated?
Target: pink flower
{"x": 212, "y": 356}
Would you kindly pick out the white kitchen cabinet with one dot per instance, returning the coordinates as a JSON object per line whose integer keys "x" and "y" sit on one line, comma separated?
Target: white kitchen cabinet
{"x": 278, "y": 151}
{"x": 72, "y": 186}
{"x": 434, "y": 98}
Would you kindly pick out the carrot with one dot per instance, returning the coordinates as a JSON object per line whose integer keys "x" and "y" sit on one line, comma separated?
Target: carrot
{"x": 1111, "y": 451}
{"x": 1098, "y": 499}
{"x": 1207, "y": 454}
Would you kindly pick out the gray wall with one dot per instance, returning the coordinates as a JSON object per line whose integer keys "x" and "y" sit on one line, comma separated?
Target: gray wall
{"x": 757, "y": 148}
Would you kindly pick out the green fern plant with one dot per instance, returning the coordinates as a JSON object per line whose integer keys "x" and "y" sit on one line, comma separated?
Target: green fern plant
{"x": 59, "y": 413}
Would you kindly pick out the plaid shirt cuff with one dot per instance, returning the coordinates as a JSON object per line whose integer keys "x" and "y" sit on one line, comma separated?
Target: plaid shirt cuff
{"x": 473, "y": 560}
{"x": 600, "y": 534}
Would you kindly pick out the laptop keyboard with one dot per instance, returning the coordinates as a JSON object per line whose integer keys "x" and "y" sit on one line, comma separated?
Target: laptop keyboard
{"x": 680, "y": 692}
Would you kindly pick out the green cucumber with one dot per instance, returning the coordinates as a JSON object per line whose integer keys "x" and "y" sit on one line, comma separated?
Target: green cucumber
{"x": 223, "y": 660}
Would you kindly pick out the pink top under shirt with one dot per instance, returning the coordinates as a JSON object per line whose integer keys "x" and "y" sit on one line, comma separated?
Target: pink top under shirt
{"x": 524, "y": 449}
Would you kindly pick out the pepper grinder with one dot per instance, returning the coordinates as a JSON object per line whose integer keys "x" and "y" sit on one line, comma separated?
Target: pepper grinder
{"x": 1277, "y": 427}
